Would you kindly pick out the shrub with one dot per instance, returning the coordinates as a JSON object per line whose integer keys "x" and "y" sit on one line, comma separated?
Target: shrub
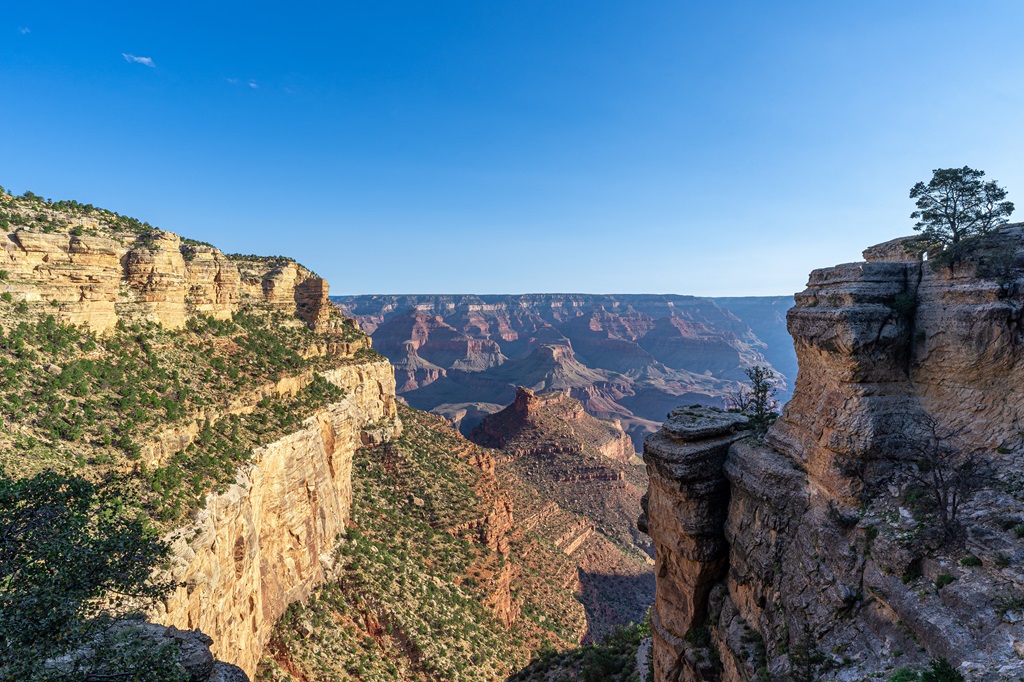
{"x": 941, "y": 671}
{"x": 67, "y": 543}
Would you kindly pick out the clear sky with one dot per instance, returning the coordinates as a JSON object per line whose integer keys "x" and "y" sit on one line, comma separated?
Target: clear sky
{"x": 716, "y": 148}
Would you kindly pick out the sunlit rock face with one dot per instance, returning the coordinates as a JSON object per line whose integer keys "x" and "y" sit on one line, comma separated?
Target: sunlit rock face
{"x": 97, "y": 280}
{"x": 812, "y": 553}
{"x": 269, "y": 539}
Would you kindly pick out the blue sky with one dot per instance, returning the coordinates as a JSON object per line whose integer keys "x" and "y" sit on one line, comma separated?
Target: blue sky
{"x": 716, "y": 148}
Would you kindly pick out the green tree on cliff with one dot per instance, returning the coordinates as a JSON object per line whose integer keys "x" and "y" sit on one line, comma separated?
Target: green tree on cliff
{"x": 956, "y": 204}
{"x": 75, "y": 562}
{"x": 756, "y": 400}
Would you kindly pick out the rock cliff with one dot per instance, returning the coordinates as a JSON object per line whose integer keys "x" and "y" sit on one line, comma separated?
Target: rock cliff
{"x": 824, "y": 551}
{"x": 93, "y": 272}
{"x": 269, "y": 539}
{"x": 227, "y": 390}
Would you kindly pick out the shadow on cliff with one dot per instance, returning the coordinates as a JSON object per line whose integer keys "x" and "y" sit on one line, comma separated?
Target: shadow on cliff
{"x": 611, "y": 600}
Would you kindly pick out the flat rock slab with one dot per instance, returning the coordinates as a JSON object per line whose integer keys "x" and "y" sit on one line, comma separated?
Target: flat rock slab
{"x": 699, "y": 422}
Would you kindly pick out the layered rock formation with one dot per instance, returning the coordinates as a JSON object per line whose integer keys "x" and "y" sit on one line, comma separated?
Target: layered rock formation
{"x": 625, "y": 357}
{"x": 819, "y": 552}
{"x": 688, "y": 496}
{"x": 214, "y": 282}
{"x": 586, "y": 467}
{"x": 81, "y": 273}
{"x": 268, "y": 540}
{"x": 535, "y": 424}
{"x": 248, "y": 400}
{"x": 97, "y": 279}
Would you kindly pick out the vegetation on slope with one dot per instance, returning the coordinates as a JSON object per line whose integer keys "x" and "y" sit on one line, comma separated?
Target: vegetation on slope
{"x": 614, "y": 659}
{"x": 74, "y": 401}
{"x": 75, "y": 562}
{"x": 415, "y": 582}
{"x": 126, "y": 427}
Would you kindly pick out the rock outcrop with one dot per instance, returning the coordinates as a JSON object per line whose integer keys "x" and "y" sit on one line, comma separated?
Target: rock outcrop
{"x": 551, "y": 422}
{"x": 155, "y": 273}
{"x": 97, "y": 280}
{"x": 214, "y": 282}
{"x": 688, "y": 495}
{"x": 268, "y": 540}
{"x": 194, "y": 654}
{"x": 81, "y": 273}
{"x": 818, "y": 552}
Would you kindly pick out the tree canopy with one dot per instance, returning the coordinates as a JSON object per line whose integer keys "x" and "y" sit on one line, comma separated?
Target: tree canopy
{"x": 956, "y": 204}
{"x": 757, "y": 400}
{"x": 75, "y": 562}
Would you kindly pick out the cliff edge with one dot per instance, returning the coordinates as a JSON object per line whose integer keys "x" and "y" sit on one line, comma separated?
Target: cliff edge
{"x": 226, "y": 390}
{"x": 876, "y": 529}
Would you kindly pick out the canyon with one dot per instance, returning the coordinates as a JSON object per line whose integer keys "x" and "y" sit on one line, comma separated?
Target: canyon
{"x": 630, "y": 358}
{"x": 262, "y": 436}
{"x": 321, "y": 528}
{"x": 819, "y": 551}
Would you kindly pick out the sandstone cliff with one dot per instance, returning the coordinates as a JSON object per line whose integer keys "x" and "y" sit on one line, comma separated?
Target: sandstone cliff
{"x": 819, "y": 552}
{"x": 227, "y": 391}
{"x": 269, "y": 539}
{"x": 93, "y": 271}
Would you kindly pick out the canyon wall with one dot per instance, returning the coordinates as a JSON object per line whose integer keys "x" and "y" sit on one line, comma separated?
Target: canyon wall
{"x": 630, "y": 358}
{"x": 95, "y": 280}
{"x": 819, "y": 552}
{"x": 248, "y": 548}
{"x": 269, "y": 539}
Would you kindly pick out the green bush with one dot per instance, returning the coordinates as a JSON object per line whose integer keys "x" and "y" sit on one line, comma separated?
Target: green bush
{"x": 941, "y": 671}
{"x": 69, "y": 543}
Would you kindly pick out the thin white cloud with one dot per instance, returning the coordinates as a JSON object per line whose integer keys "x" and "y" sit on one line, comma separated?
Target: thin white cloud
{"x": 145, "y": 61}
{"x": 24, "y": 30}
{"x": 233, "y": 81}
{"x": 254, "y": 85}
